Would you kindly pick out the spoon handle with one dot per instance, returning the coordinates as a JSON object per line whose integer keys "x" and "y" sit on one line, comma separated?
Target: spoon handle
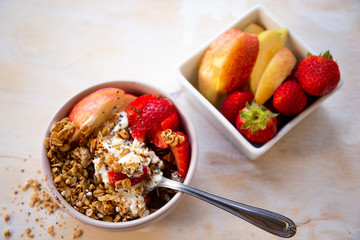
{"x": 271, "y": 222}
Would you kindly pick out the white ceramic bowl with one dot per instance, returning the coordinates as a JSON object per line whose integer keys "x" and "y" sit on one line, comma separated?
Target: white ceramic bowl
{"x": 187, "y": 74}
{"x": 136, "y": 89}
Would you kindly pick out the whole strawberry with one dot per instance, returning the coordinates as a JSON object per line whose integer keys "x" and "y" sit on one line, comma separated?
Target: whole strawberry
{"x": 318, "y": 75}
{"x": 234, "y": 103}
{"x": 256, "y": 123}
{"x": 289, "y": 98}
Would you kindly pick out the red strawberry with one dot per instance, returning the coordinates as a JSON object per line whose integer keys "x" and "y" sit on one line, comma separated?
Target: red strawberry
{"x": 146, "y": 113}
{"x": 293, "y": 76}
{"x": 182, "y": 155}
{"x": 171, "y": 122}
{"x": 289, "y": 98}
{"x": 135, "y": 107}
{"x": 154, "y": 135}
{"x": 234, "y": 103}
{"x": 256, "y": 124}
{"x": 156, "y": 111}
{"x": 116, "y": 176}
{"x": 134, "y": 111}
{"x": 318, "y": 75}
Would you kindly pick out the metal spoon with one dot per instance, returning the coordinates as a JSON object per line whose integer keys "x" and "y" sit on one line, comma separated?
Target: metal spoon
{"x": 269, "y": 221}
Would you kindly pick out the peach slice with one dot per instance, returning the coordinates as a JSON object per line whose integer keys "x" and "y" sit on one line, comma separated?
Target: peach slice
{"x": 279, "y": 67}
{"x": 227, "y": 64}
{"x": 92, "y": 111}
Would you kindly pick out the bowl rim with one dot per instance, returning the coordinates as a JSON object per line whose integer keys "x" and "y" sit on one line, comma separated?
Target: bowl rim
{"x": 250, "y": 151}
{"x": 190, "y": 131}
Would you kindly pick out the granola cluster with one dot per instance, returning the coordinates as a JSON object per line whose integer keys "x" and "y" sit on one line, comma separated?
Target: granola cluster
{"x": 79, "y": 171}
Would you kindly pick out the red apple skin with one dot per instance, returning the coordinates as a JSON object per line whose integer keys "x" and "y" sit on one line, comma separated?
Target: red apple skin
{"x": 93, "y": 110}
{"x": 227, "y": 64}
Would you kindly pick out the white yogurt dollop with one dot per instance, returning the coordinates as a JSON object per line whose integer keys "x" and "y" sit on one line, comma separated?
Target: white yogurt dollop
{"x": 132, "y": 155}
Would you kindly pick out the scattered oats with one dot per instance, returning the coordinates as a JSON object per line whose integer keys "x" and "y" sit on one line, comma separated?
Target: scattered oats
{"x": 6, "y": 217}
{"x": 50, "y": 230}
{"x": 77, "y": 233}
{"x": 7, "y": 233}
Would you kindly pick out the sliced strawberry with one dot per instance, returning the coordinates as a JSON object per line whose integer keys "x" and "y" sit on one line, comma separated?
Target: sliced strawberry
{"x": 156, "y": 111}
{"x": 134, "y": 111}
{"x": 138, "y": 104}
{"x": 116, "y": 176}
{"x": 147, "y": 201}
{"x": 154, "y": 136}
{"x": 182, "y": 155}
{"x": 171, "y": 122}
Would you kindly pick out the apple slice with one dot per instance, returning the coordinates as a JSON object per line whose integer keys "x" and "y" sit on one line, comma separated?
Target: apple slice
{"x": 254, "y": 28}
{"x": 92, "y": 111}
{"x": 275, "y": 73}
{"x": 128, "y": 98}
{"x": 270, "y": 42}
{"x": 227, "y": 64}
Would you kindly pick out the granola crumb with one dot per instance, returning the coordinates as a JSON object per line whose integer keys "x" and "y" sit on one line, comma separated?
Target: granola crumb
{"x": 7, "y": 233}
{"x": 28, "y": 233}
{"x": 6, "y": 217}
{"x": 77, "y": 233}
{"x": 50, "y": 230}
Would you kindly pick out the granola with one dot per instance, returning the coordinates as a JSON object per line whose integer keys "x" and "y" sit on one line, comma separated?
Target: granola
{"x": 81, "y": 172}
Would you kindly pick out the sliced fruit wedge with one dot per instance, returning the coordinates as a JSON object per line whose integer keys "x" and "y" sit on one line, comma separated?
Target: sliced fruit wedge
{"x": 154, "y": 135}
{"x": 280, "y": 66}
{"x": 134, "y": 110}
{"x": 182, "y": 155}
{"x": 270, "y": 42}
{"x": 171, "y": 122}
{"x": 92, "y": 111}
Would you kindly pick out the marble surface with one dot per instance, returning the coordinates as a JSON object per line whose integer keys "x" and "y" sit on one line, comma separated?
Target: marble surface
{"x": 50, "y": 50}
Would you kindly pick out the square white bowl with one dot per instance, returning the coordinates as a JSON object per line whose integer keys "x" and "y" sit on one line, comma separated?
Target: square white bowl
{"x": 187, "y": 74}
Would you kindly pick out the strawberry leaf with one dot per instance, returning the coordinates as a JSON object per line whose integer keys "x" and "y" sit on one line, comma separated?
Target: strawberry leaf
{"x": 246, "y": 125}
{"x": 327, "y": 54}
{"x": 255, "y": 116}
